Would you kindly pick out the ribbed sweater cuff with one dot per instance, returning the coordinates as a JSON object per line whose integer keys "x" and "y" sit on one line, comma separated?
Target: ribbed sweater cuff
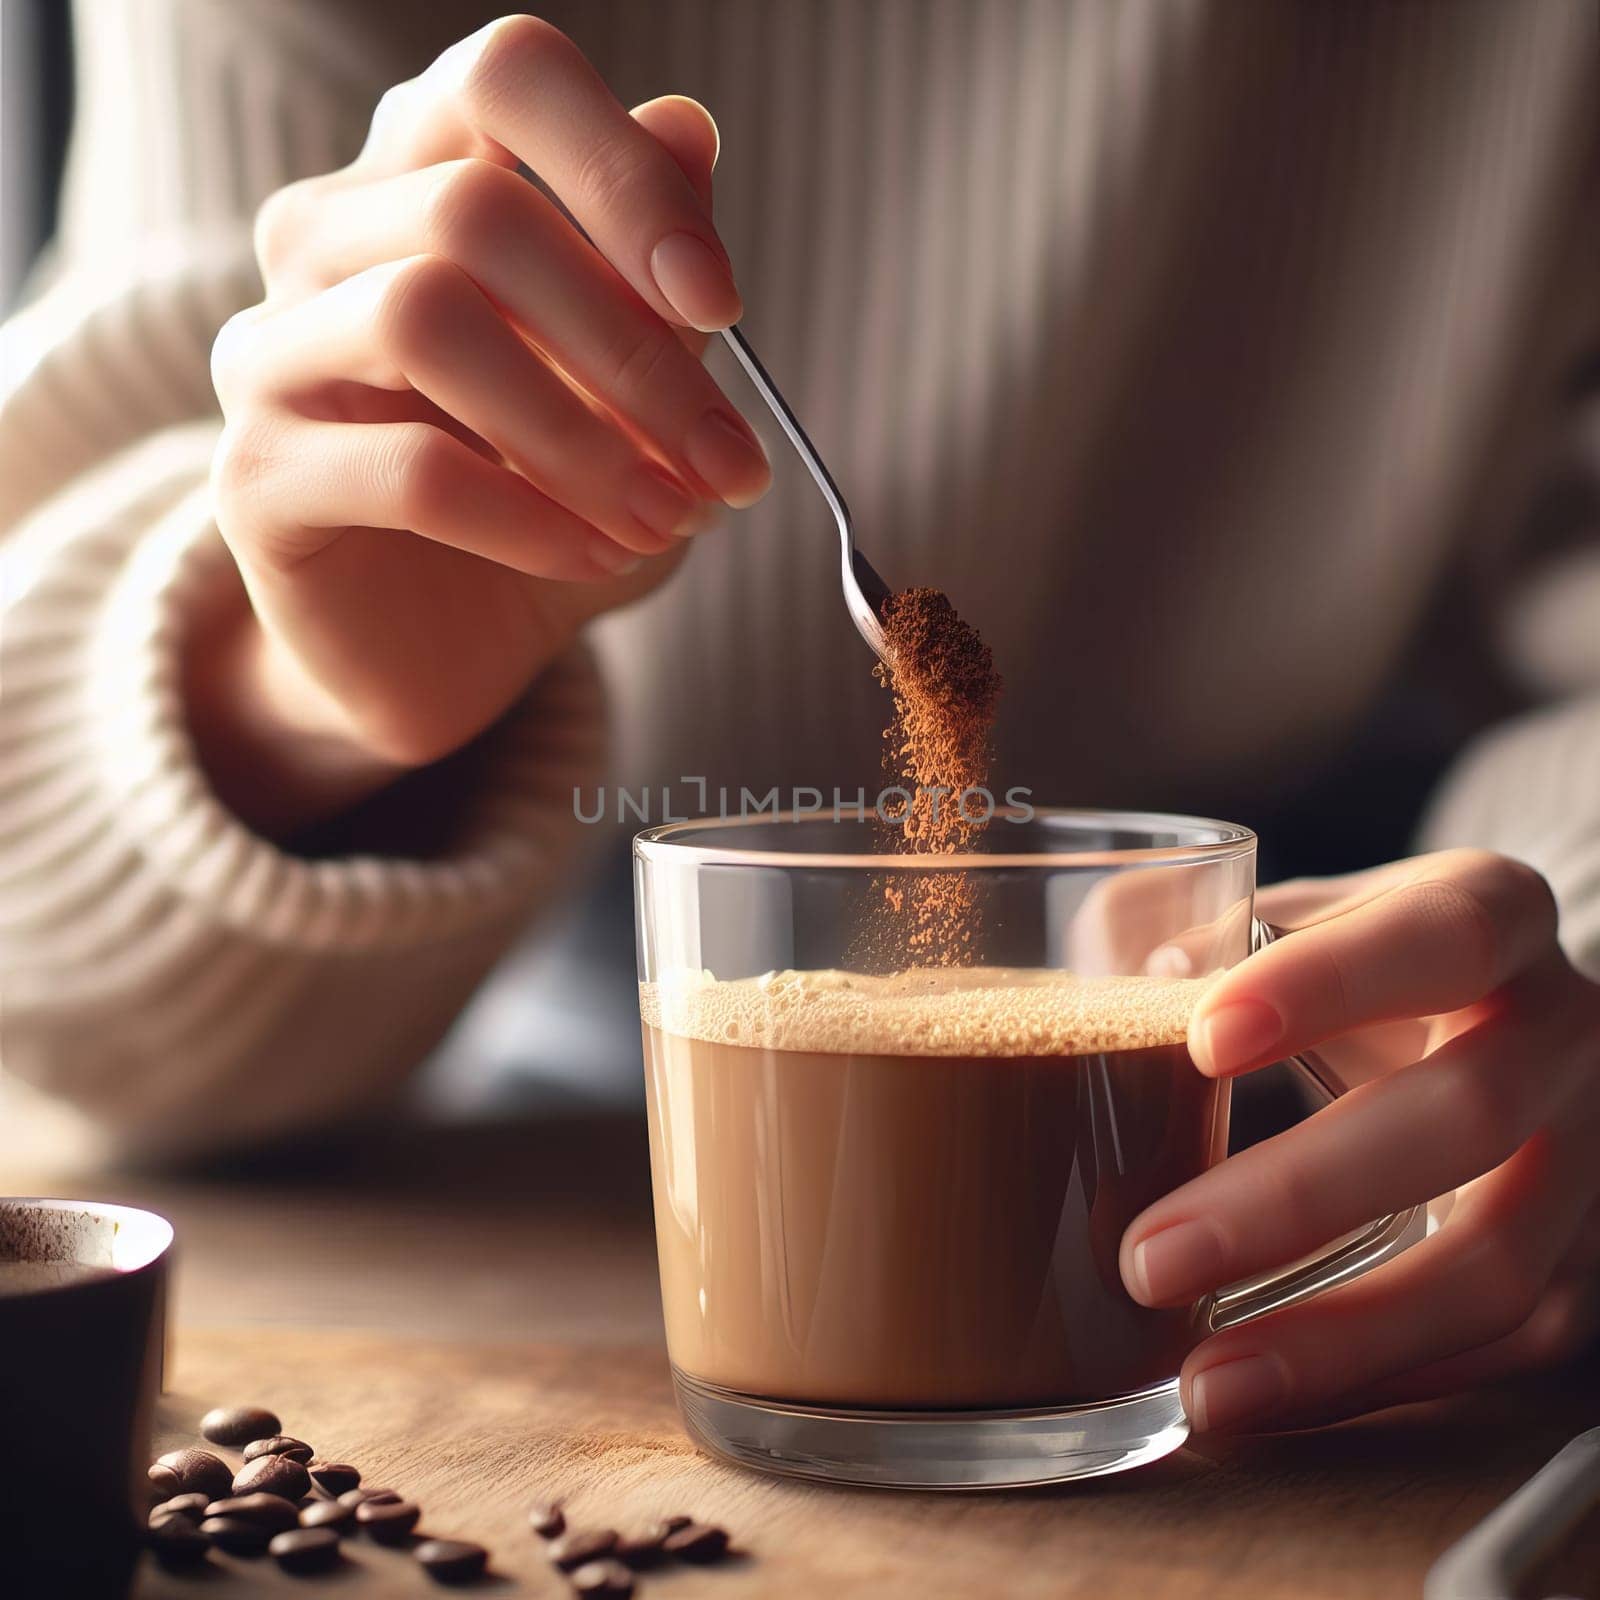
{"x": 506, "y": 845}
{"x": 104, "y": 795}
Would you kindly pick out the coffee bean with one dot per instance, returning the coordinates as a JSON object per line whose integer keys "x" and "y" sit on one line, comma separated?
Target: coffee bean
{"x": 638, "y": 1554}
{"x": 192, "y": 1506}
{"x": 272, "y": 1475}
{"x": 279, "y": 1445}
{"x": 328, "y": 1514}
{"x": 548, "y": 1521}
{"x": 603, "y": 1580}
{"x": 237, "y": 1425}
{"x": 236, "y": 1536}
{"x": 698, "y": 1542}
{"x": 387, "y": 1521}
{"x": 197, "y": 1471}
{"x": 164, "y": 1482}
{"x": 268, "y": 1511}
{"x": 304, "y": 1550}
{"x": 642, "y": 1551}
{"x": 177, "y": 1544}
{"x": 334, "y": 1476}
{"x": 451, "y": 1560}
{"x": 364, "y": 1497}
{"x": 576, "y": 1548}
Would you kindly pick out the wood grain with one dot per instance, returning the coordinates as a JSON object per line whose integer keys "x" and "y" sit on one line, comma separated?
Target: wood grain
{"x": 470, "y": 1315}
{"x": 476, "y": 1433}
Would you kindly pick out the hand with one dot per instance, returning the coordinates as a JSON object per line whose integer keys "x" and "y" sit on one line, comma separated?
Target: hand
{"x": 1484, "y": 1049}
{"x": 456, "y": 430}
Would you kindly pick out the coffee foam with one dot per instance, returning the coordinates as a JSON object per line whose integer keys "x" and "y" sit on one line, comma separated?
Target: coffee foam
{"x": 949, "y": 1011}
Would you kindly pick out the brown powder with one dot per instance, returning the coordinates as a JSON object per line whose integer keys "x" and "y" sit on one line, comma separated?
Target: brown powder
{"x": 938, "y": 748}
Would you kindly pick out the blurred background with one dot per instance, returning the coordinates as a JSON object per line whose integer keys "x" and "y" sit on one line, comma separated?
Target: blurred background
{"x": 35, "y": 116}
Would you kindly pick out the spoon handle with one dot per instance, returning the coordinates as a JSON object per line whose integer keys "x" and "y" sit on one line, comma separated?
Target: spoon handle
{"x": 779, "y": 407}
{"x": 864, "y": 591}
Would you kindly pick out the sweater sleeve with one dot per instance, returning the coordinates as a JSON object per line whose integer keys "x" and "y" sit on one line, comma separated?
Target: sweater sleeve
{"x": 1530, "y": 788}
{"x": 169, "y": 981}
{"x": 173, "y": 979}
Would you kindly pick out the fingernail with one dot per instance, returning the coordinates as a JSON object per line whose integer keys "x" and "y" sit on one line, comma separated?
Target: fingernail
{"x": 1239, "y": 1033}
{"x": 605, "y": 553}
{"x": 657, "y": 502}
{"x": 695, "y": 283}
{"x": 729, "y": 459}
{"x": 1236, "y": 1391}
{"x": 1178, "y": 1263}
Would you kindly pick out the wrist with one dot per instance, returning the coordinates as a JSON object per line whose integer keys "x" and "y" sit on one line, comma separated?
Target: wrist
{"x": 276, "y": 748}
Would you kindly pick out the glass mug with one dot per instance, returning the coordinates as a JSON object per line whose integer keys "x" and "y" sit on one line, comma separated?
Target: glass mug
{"x": 888, "y": 1206}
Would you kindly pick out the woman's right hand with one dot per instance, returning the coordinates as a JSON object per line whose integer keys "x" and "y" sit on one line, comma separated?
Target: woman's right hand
{"x": 456, "y": 429}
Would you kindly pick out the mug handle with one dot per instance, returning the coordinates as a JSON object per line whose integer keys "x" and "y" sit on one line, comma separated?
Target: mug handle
{"x": 1368, "y": 1247}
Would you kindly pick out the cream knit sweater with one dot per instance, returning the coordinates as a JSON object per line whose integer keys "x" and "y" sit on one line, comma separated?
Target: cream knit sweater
{"x": 1214, "y": 356}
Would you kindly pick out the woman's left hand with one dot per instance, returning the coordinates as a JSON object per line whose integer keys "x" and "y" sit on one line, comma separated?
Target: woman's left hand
{"x": 1497, "y": 1100}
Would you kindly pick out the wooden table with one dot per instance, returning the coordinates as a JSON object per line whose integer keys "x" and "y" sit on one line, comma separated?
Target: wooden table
{"x": 470, "y": 1315}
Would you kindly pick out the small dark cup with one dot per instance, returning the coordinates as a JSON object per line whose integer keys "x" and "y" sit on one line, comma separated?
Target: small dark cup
{"x": 82, "y": 1321}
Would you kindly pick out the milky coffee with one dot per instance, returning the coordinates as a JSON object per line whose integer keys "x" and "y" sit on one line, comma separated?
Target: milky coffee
{"x": 909, "y": 1191}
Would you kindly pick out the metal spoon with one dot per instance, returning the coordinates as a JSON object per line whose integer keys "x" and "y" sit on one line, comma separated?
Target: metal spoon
{"x": 864, "y": 591}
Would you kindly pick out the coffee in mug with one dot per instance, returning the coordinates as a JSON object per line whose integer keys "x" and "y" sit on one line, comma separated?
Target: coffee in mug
{"x": 889, "y": 1203}
{"x": 82, "y": 1319}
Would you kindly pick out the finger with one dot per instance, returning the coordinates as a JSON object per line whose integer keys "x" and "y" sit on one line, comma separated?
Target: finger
{"x": 1204, "y": 947}
{"x": 1160, "y": 922}
{"x": 1299, "y": 902}
{"x": 1475, "y": 1281}
{"x": 520, "y": 85}
{"x": 1394, "y": 1142}
{"x": 287, "y": 487}
{"x": 422, "y": 324}
{"x": 1563, "y": 1324}
{"x": 514, "y": 244}
{"x": 688, "y": 133}
{"x": 1450, "y": 932}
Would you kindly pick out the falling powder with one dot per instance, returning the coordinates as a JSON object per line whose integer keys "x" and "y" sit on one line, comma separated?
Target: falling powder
{"x": 937, "y": 751}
